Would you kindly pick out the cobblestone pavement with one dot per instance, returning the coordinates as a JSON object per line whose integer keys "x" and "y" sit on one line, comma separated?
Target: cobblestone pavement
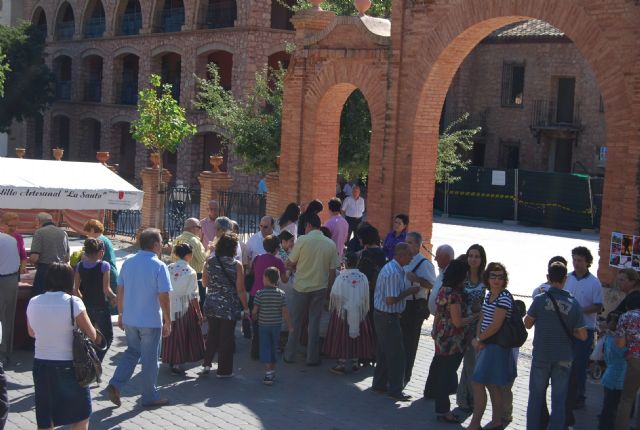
{"x": 302, "y": 398}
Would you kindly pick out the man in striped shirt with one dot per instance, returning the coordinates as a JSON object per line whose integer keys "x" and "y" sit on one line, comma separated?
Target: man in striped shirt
{"x": 389, "y": 303}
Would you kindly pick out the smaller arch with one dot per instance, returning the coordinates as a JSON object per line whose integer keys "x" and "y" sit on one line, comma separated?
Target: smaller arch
{"x": 89, "y": 139}
{"x": 121, "y": 118}
{"x": 90, "y": 115}
{"x": 91, "y": 77}
{"x": 125, "y": 50}
{"x": 214, "y": 46}
{"x": 63, "y": 74}
{"x": 218, "y": 14}
{"x": 92, "y": 51}
{"x": 281, "y": 15}
{"x": 223, "y": 60}
{"x": 126, "y": 70}
{"x": 169, "y": 16}
{"x": 93, "y": 19}
{"x": 166, "y": 49}
{"x": 128, "y": 19}
{"x": 63, "y": 52}
{"x": 39, "y": 20}
{"x": 65, "y": 22}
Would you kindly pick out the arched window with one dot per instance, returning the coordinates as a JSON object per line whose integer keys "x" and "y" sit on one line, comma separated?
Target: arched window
{"x": 92, "y": 76}
{"x": 131, "y": 20}
{"x": 65, "y": 23}
{"x": 62, "y": 73}
{"x": 220, "y": 14}
{"x": 126, "y": 68}
{"x": 281, "y": 15}
{"x": 171, "y": 72}
{"x": 94, "y": 22}
{"x": 171, "y": 16}
{"x": 40, "y": 22}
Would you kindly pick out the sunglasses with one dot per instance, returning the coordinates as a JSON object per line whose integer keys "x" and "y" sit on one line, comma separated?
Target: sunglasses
{"x": 500, "y": 277}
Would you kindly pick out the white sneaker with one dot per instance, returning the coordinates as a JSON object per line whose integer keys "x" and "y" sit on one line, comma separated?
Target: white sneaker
{"x": 205, "y": 370}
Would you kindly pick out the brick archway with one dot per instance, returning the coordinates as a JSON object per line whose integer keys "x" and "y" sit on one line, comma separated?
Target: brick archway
{"x": 408, "y": 65}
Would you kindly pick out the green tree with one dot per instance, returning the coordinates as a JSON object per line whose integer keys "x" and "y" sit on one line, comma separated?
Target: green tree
{"x": 355, "y": 137}
{"x": 4, "y": 69}
{"x": 161, "y": 127}
{"x": 28, "y": 85}
{"x": 453, "y": 145}
{"x": 380, "y": 9}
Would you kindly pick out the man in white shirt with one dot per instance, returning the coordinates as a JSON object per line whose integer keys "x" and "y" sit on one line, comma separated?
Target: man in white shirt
{"x": 419, "y": 273}
{"x": 9, "y": 268}
{"x": 587, "y": 290}
{"x": 353, "y": 209}
{"x": 444, "y": 255}
{"x": 254, "y": 244}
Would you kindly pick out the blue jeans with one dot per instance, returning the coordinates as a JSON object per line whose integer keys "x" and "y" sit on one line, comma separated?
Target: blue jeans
{"x": 582, "y": 350}
{"x": 269, "y": 337}
{"x": 541, "y": 371}
{"x": 142, "y": 346}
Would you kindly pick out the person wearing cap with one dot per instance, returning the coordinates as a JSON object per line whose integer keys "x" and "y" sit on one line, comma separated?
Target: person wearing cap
{"x": 50, "y": 244}
{"x": 191, "y": 235}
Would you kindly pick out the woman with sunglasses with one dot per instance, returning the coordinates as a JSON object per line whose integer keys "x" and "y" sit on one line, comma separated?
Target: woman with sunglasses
{"x": 495, "y": 367}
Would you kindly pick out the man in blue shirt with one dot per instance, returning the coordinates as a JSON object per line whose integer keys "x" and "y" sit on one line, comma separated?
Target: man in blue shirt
{"x": 143, "y": 312}
{"x": 389, "y": 303}
{"x": 552, "y": 347}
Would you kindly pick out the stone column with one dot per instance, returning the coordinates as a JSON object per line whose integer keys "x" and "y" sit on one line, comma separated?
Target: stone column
{"x": 151, "y": 202}
{"x": 211, "y": 183}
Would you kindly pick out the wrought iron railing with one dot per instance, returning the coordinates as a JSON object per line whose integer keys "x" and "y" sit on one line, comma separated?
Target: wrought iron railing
{"x": 172, "y": 20}
{"x": 122, "y": 222}
{"x": 546, "y": 115}
{"x": 244, "y": 208}
{"x": 181, "y": 203}
{"x": 94, "y": 27}
{"x": 93, "y": 91}
{"x": 131, "y": 23}
{"x": 221, "y": 14}
{"x": 63, "y": 90}
{"x": 66, "y": 30}
{"x": 127, "y": 93}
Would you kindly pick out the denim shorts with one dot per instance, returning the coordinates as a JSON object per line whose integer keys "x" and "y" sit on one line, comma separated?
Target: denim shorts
{"x": 59, "y": 398}
{"x": 269, "y": 338}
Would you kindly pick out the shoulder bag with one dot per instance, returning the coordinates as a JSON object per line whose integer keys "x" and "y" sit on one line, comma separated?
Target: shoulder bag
{"x": 512, "y": 333}
{"x": 564, "y": 324}
{"x": 86, "y": 364}
{"x": 211, "y": 307}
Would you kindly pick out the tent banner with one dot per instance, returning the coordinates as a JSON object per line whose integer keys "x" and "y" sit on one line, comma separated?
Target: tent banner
{"x": 61, "y": 198}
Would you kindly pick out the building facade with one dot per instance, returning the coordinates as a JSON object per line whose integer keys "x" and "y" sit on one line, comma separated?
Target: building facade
{"x": 102, "y": 52}
{"x": 537, "y": 101}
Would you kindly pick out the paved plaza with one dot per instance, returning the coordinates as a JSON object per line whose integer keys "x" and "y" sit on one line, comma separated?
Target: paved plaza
{"x": 311, "y": 397}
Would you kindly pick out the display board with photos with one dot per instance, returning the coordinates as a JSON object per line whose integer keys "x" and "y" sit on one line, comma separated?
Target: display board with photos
{"x": 625, "y": 251}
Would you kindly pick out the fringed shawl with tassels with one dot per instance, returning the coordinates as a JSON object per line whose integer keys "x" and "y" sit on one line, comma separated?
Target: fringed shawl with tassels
{"x": 350, "y": 299}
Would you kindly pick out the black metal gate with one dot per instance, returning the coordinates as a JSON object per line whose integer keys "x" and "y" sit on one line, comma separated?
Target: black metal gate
{"x": 122, "y": 222}
{"x": 244, "y": 208}
{"x": 181, "y": 203}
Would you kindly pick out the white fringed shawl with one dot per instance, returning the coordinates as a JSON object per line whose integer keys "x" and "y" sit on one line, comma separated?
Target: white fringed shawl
{"x": 184, "y": 284}
{"x": 350, "y": 299}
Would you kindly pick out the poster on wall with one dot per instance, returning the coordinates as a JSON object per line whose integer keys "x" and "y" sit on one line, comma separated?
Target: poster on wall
{"x": 625, "y": 251}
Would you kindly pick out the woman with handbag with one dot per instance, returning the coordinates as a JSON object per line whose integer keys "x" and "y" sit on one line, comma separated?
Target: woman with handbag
{"x": 223, "y": 306}
{"x": 60, "y": 399}
{"x": 495, "y": 365}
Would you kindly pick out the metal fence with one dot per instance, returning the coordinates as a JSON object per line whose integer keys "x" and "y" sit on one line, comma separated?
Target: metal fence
{"x": 555, "y": 200}
{"x": 122, "y": 223}
{"x": 181, "y": 203}
{"x": 245, "y": 208}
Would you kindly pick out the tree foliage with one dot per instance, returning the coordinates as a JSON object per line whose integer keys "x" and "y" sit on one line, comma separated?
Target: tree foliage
{"x": 355, "y": 137}
{"x": 4, "y": 69}
{"x": 28, "y": 82}
{"x": 454, "y": 143}
{"x": 381, "y": 9}
{"x": 251, "y": 126}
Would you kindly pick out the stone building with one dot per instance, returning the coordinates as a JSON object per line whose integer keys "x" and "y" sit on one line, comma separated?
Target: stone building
{"x": 102, "y": 52}
{"x": 536, "y": 98}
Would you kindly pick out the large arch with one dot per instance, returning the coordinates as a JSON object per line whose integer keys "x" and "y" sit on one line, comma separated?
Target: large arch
{"x": 93, "y": 19}
{"x": 451, "y": 40}
{"x": 415, "y": 62}
{"x": 65, "y": 23}
{"x": 39, "y": 20}
{"x": 129, "y": 17}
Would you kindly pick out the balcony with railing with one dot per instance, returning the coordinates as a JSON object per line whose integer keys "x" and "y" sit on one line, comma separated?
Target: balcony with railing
{"x": 63, "y": 90}
{"x": 94, "y": 27}
{"x": 172, "y": 20}
{"x": 65, "y": 30}
{"x": 221, "y": 14}
{"x": 548, "y": 116}
{"x": 127, "y": 93}
{"x": 131, "y": 23}
{"x": 93, "y": 91}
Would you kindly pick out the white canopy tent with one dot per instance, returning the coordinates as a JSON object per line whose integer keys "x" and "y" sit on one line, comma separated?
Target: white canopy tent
{"x": 51, "y": 184}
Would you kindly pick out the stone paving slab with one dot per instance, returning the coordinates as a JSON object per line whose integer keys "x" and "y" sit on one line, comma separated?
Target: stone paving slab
{"x": 302, "y": 398}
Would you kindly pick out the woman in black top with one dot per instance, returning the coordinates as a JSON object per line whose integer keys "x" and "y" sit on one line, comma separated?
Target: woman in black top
{"x": 313, "y": 208}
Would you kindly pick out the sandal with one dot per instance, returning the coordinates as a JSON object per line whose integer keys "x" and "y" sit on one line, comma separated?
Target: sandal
{"x": 449, "y": 418}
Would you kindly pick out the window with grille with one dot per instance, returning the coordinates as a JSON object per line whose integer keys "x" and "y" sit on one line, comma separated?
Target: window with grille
{"x": 512, "y": 84}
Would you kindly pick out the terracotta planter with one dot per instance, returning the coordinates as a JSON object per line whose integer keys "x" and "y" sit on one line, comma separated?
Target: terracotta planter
{"x": 362, "y": 6}
{"x": 155, "y": 159}
{"x": 58, "y": 153}
{"x": 102, "y": 156}
{"x": 216, "y": 162}
{"x": 316, "y": 4}
{"x": 20, "y": 152}
{"x": 278, "y": 162}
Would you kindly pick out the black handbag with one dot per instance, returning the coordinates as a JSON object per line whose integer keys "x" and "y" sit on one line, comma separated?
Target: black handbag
{"x": 86, "y": 364}
{"x": 512, "y": 333}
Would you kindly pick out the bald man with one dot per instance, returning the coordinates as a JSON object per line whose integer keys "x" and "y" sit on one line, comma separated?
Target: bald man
{"x": 191, "y": 235}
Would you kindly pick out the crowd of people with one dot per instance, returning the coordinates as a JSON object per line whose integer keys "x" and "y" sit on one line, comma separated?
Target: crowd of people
{"x": 281, "y": 283}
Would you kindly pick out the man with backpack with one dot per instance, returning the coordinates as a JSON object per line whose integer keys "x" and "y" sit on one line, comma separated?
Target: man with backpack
{"x": 559, "y": 320}
{"x": 419, "y": 273}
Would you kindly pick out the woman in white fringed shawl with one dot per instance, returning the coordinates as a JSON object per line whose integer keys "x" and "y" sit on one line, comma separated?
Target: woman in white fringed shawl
{"x": 350, "y": 335}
